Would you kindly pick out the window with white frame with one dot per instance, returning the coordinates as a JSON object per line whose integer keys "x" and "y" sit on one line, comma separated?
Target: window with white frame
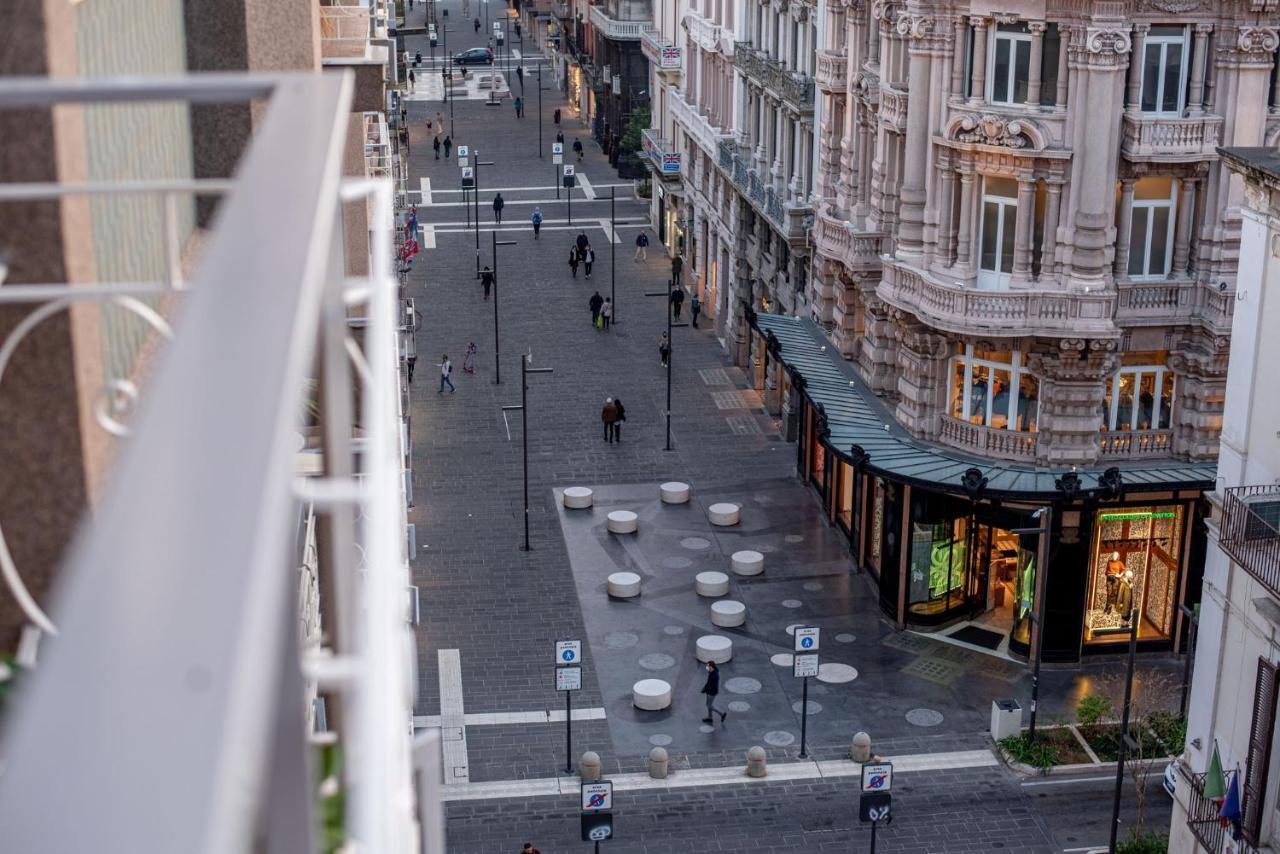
{"x": 997, "y": 229}
{"x": 1151, "y": 227}
{"x": 1164, "y": 70}
{"x": 1009, "y": 64}
{"x": 993, "y": 388}
{"x": 1140, "y": 397}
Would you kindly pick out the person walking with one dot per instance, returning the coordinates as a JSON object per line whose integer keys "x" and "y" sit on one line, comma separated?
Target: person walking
{"x": 440, "y": 121}
{"x": 711, "y": 689}
{"x": 536, "y": 219}
{"x": 642, "y": 247}
{"x": 609, "y": 415}
{"x": 596, "y": 302}
{"x": 498, "y": 204}
{"x": 573, "y": 261}
{"x": 435, "y": 143}
{"x": 555, "y": 117}
{"x": 518, "y": 103}
{"x": 417, "y": 56}
{"x": 677, "y": 264}
{"x": 486, "y": 280}
{"x": 412, "y": 78}
{"x": 617, "y": 423}
{"x": 581, "y": 242}
{"x": 560, "y": 137}
{"x": 469, "y": 359}
{"x": 476, "y": 24}
{"x": 664, "y": 350}
{"x": 677, "y": 302}
{"x": 588, "y": 258}
{"x": 695, "y": 309}
{"x": 448, "y": 146}
{"x": 446, "y": 368}
{"x": 606, "y": 313}
{"x": 577, "y": 148}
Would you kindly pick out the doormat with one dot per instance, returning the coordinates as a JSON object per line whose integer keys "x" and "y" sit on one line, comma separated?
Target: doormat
{"x": 978, "y": 637}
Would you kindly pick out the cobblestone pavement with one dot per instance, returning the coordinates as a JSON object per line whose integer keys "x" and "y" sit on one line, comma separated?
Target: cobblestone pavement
{"x": 502, "y": 607}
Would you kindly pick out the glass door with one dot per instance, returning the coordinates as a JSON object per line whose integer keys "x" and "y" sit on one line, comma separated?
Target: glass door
{"x": 999, "y": 221}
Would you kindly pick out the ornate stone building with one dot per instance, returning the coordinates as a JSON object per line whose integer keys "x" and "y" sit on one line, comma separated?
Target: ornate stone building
{"x": 1023, "y": 236}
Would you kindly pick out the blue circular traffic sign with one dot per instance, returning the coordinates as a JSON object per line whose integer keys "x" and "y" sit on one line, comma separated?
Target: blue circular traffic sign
{"x": 806, "y": 642}
{"x": 567, "y": 655}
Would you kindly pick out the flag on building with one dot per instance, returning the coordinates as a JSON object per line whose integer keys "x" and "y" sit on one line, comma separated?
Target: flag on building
{"x": 1215, "y": 787}
{"x": 1230, "y": 812}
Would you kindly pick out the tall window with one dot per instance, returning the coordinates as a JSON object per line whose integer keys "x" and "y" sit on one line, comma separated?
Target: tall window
{"x": 1164, "y": 71}
{"x": 1140, "y": 398}
{"x": 1151, "y": 232}
{"x": 999, "y": 220}
{"x": 1009, "y": 64}
{"x": 993, "y": 388}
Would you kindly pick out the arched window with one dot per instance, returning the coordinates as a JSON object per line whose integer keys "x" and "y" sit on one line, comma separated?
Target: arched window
{"x": 993, "y": 388}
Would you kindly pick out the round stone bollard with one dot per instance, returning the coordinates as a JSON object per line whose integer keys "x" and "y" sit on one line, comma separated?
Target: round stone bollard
{"x": 589, "y": 767}
{"x": 756, "y": 762}
{"x": 658, "y": 763}
{"x": 860, "y": 751}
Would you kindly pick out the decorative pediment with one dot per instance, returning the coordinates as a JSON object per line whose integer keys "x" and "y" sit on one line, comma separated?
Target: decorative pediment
{"x": 1173, "y": 7}
{"x": 994, "y": 130}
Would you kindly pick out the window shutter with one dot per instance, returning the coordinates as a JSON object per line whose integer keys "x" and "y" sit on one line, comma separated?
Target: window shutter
{"x": 1261, "y": 732}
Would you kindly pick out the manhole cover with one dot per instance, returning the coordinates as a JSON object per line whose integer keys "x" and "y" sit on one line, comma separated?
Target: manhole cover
{"x": 765, "y": 548}
{"x": 845, "y": 637}
{"x": 792, "y": 603}
{"x": 695, "y": 543}
{"x": 706, "y": 728}
{"x": 924, "y": 717}
{"x": 677, "y": 630}
{"x": 621, "y": 640}
{"x": 676, "y": 562}
{"x": 743, "y": 685}
{"x": 779, "y": 738}
{"x": 660, "y": 740}
{"x": 739, "y": 706}
{"x": 835, "y": 673}
{"x": 814, "y": 708}
{"x": 657, "y": 661}
{"x": 782, "y": 659}
{"x": 813, "y": 586}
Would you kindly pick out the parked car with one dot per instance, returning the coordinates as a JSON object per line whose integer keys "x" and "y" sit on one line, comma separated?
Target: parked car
{"x": 474, "y": 56}
{"x": 1170, "y": 781}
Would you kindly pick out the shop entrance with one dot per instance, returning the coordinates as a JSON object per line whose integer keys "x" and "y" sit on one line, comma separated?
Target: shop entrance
{"x": 993, "y": 579}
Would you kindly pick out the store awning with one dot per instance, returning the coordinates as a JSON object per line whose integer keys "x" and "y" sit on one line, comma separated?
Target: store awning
{"x": 856, "y": 417}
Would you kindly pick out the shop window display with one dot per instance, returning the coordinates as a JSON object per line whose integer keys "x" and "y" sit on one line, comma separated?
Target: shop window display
{"x": 1135, "y": 560}
{"x": 844, "y": 496}
{"x": 939, "y": 560}
{"x": 877, "y": 526}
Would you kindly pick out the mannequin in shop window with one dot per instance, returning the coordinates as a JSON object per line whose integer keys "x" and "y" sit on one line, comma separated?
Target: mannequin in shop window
{"x": 1115, "y": 572}
{"x": 1124, "y": 594}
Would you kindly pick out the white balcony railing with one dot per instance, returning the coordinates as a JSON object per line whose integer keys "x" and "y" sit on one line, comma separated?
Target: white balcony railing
{"x": 1158, "y": 303}
{"x": 707, "y": 135}
{"x": 841, "y": 241}
{"x": 664, "y": 55}
{"x": 178, "y": 615}
{"x": 616, "y": 30}
{"x": 705, "y": 33}
{"x": 662, "y": 153}
{"x": 988, "y": 441}
{"x": 1136, "y": 444}
{"x": 832, "y": 67}
{"x": 1165, "y": 138}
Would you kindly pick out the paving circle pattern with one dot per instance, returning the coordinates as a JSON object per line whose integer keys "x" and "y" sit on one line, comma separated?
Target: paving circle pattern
{"x": 792, "y": 603}
{"x": 739, "y": 706}
{"x": 676, "y": 562}
{"x": 679, "y": 630}
{"x": 791, "y": 629}
{"x": 621, "y": 640}
{"x": 743, "y": 685}
{"x": 834, "y": 672}
{"x": 924, "y": 717}
{"x": 658, "y": 661}
{"x": 814, "y": 708}
{"x": 845, "y": 637}
{"x": 813, "y": 586}
{"x": 765, "y": 548}
{"x": 660, "y": 740}
{"x": 706, "y": 728}
{"x": 782, "y": 659}
{"x": 794, "y": 538}
{"x": 695, "y": 543}
{"x": 779, "y": 738}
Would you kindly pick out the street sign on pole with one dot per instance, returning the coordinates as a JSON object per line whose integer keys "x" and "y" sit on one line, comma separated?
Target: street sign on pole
{"x": 806, "y": 639}
{"x": 463, "y": 151}
{"x": 877, "y": 776}
{"x": 597, "y": 827}
{"x": 569, "y": 678}
{"x": 597, "y": 796}
{"x": 568, "y": 652}
{"x": 875, "y": 806}
{"x": 805, "y": 666}
{"x": 468, "y": 178}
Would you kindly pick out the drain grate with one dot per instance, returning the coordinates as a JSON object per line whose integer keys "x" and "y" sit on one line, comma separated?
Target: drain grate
{"x": 743, "y": 425}
{"x": 730, "y": 400}
{"x": 714, "y": 376}
{"x": 934, "y": 670}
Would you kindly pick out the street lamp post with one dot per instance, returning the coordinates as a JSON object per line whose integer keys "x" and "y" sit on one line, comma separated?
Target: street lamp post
{"x": 497, "y": 370}
{"x": 613, "y": 256}
{"x": 476, "y": 225}
{"x": 1045, "y": 515}
{"x": 525, "y": 360}
{"x": 1125, "y": 738}
{"x": 670, "y": 347}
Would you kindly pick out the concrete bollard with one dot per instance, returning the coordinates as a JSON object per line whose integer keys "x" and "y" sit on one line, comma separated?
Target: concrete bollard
{"x": 589, "y": 767}
{"x": 756, "y": 762}
{"x": 860, "y": 751}
{"x": 658, "y": 762}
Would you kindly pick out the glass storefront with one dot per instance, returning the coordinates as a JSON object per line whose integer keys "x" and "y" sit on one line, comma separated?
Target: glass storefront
{"x": 1133, "y": 570}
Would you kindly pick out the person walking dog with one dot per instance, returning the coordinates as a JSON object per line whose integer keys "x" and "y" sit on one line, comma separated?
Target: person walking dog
{"x": 711, "y": 689}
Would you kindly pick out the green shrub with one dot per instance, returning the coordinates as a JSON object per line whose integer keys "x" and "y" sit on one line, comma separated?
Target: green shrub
{"x": 1170, "y": 728}
{"x": 1040, "y": 754}
{"x": 1144, "y": 843}
{"x": 1092, "y": 709}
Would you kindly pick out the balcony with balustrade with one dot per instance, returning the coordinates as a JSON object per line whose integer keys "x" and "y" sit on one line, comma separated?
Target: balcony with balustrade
{"x": 697, "y": 125}
{"x": 793, "y": 87}
{"x": 1249, "y": 531}
{"x": 833, "y": 66}
{"x": 662, "y": 154}
{"x": 988, "y": 441}
{"x": 1142, "y": 303}
{"x": 1170, "y": 139}
{"x": 1135, "y": 444}
{"x": 758, "y": 189}
{"x": 704, "y": 32}
{"x": 843, "y": 242}
{"x": 615, "y": 29}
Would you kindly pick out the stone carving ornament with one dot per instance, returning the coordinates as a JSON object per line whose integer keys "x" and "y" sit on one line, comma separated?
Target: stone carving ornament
{"x": 990, "y": 129}
{"x": 1175, "y": 7}
{"x": 915, "y": 26}
{"x": 1259, "y": 40}
{"x": 1106, "y": 40}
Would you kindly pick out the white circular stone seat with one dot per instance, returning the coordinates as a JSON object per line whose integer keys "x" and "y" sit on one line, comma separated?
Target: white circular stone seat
{"x": 623, "y": 522}
{"x": 724, "y": 514}
{"x": 651, "y": 695}
{"x": 674, "y": 492}
{"x": 624, "y": 585}
{"x": 578, "y": 497}
{"x": 747, "y": 562}
{"x": 711, "y": 584}
{"x": 727, "y": 613}
{"x": 717, "y": 648}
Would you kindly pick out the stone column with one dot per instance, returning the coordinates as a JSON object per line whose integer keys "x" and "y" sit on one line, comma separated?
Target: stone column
{"x": 964, "y": 234}
{"x": 1072, "y": 393}
{"x": 1037, "y": 61}
{"x": 1052, "y": 211}
{"x": 922, "y": 360}
{"x": 946, "y": 233}
{"x": 873, "y": 38}
{"x": 1022, "y": 234}
{"x": 979, "y": 93}
{"x": 1125, "y": 228}
{"x": 957, "y": 58}
{"x": 919, "y": 29}
{"x": 1182, "y": 228}
{"x": 1133, "y": 97}
{"x": 1064, "y": 70}
{"x": 1199, "y": 61}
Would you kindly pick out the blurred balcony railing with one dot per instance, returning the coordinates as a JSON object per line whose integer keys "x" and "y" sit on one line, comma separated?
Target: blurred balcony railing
{"x": 348, "y": 32}
{"x": 1250, "y": 531}
{"x": 186, "y": 613}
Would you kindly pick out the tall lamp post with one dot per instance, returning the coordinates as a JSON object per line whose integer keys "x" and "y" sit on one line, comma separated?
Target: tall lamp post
{"x": 670, "y": 346}
{"x": 526, "y": 359}
{"x": 497, "y": 371}
{"x": 613, "y": 258}
{"x": 476, "y": 224}
{"x": 1045, "y": 515}
{"x": 1126, "y": 740}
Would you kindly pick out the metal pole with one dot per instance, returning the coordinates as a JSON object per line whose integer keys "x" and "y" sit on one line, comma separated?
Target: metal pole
{"x": 804, "y": 716}
{"x": 568, "y": 732}
{"x": 1193, "y": 626}
{"x": 568, "y": 194}
{"x": 1124, "y": 727}
{"x": 613, "y": 257}
{"x": 524, "y": 438}
{"x": 671, "y": 351}
{"x": 1042, "y": 560}
{"x": 476, "y": 224}
{"x": 497, "y": 364}
{"x": 539, "y": 107}
{"x": 873, "y": 837}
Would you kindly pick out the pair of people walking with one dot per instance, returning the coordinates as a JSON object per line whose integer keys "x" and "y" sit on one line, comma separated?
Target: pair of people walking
{"x": 601, "y": 311}
{"x": 581, "y": 253}
{"x": 613, "y": 414}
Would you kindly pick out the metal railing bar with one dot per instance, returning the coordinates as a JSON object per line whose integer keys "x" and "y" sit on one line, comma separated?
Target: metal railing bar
{"x": 43, "y": 191}
{"x": 214, "y": 87}
{"x": 175, "y": 598}
{"x": 79, "y": 293}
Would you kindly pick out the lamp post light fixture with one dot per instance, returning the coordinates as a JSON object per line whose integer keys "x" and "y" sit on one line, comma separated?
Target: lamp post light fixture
{"x": 497, "y": 370}
{"x": 666, "y": 305}
{"x": 526, "y": 359}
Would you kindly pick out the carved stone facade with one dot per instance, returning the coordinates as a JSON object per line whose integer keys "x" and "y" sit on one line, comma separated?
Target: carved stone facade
{"x": 1005, "y": 214}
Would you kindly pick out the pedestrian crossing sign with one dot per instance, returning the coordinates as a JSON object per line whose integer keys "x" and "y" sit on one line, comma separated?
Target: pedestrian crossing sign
{"x": 463, "y": 150}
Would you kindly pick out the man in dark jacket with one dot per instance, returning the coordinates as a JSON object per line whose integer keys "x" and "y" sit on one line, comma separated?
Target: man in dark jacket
{"x": 711, "y": 689}
{"x": 581, "y": 242}
{"x": 595, "y": 303}
{"x": 677, "y": 302}
{"x": 677, "y": 264}
{"x": 498, "y": 204}
{"x": 486, "y": 279}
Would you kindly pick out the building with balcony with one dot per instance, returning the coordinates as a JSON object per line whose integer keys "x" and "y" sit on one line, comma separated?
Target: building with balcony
{"x": 618, "y": 74}
{"x": 1234, "y": 692}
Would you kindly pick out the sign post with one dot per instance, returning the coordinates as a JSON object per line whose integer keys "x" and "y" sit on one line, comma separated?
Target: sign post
{"x": 568, "y": 680}
{"x": 557, "y": 158}
{"x": 569, "y": 181}
{"x": 876, "y": 801}
{"x": 804, "y": 666}
{"x": 597, "y": 812}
